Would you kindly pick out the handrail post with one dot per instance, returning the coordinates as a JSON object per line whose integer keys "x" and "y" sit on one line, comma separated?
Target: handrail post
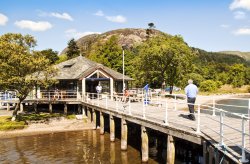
{"x": 116, "y": 104}
{"x": 243, "y": 153}
{"x": 221, "y": 128}
{"x": 87, "y": 97}
{"x": 213, "y": 106}
{"x": 249, "y": 109}
{"x": 143, "y": 108}
{"x": 175, "y": 101}
{"x": 129, "y": 106}
{"x": 98, "y": 99}
{"x": 198, "y": 130}
{"x": 106, "y": 102}
{"x": 166, "y": 113}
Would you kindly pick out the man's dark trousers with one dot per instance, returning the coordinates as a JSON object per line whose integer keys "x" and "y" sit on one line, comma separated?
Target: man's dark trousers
{"x": 191, "y": 101}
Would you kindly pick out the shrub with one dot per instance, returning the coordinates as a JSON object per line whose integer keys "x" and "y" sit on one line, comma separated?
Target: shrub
{"x": 208, "y": 86}
{"x": 7, "y": 124}
{"x": 248, "y": 89}
{"x": 72, "y": 116}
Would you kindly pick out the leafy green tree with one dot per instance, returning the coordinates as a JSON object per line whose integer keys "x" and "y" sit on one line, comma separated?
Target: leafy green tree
{"x": 73, "y": 50}
{"x": 237, "y": 75}
{"x": 62, "y": 58}
{"x": 208, "y": 86}
{"x": 21, "y": 68}
{"x": 51, "y": 55}
{"x": 164, "y": 57}
{"x": 109, "y": 54}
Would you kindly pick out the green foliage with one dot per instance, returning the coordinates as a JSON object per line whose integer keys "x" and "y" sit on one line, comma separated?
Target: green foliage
{"x": 197, "y": 79}
{"x": 208, "y": 86}
{"x": 51, "y": 55}
{"x": 36, "y": 117}
{"x": 21, "y": 68}
{"x": 62, "y": 58}
{"x": 163, "y": 58}
{"x": 236, "y": 75}
{"x": 248, "y": 89}
{"x": 73, "y": 50}
{"x": 7, "y": 124}
{"x": 71, "y": 116}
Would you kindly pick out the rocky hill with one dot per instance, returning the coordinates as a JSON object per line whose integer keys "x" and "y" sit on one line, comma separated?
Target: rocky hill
{"x": 127, "y": 36}
{"x": 134, "y": 36}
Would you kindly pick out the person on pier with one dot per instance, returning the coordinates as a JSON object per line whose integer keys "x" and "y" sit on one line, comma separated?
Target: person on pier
{"x": 191, "y": 91}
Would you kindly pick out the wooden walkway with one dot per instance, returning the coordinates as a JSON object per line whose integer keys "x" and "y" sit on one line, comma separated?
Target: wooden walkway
{"x": 209, "y": 128}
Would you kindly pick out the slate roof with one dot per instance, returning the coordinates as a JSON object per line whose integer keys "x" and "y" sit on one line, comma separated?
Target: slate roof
{"x": 80, "y": 67}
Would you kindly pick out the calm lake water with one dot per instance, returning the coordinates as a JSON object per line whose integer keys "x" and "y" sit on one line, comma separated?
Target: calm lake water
{"x": 86, "y": 146}
{"x": 238, "y": 105}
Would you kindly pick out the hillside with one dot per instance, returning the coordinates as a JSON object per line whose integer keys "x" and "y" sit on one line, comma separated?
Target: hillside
{"x": 134, "y": 36}
{"x": 128, "y": 36}
{"x": 245, "y": 55}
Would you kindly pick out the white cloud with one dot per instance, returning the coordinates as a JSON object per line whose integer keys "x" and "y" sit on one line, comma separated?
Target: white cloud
{"x": 242, "y": 31}
{"x": 34, "y": 26}
{"x": 244, "y": 4}
{"x": 73, "y": 33}
{"x": 65, "y": 16}
{"x": 239, "y": 15}
{"x": 99, "y": 13}
{"x": 224, "y": 26}
{"x": 3, "y": 19}
{"x": 117, "y": 19}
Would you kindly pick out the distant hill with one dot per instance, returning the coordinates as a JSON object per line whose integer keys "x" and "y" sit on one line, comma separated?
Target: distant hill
{"x": 245, "y": 55}
{"x": 135, "y": 36}
{"x": 128, "y": 36}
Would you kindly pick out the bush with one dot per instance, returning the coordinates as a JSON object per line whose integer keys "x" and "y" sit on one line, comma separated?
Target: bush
{"x": 72, "y": 116}
{"x": 208, "y": 86}
{"x": 248, "y": 89}
{"x": 7, "y": 124}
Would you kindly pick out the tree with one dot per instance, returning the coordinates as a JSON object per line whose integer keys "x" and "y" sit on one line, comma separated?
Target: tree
{"x": 21, "y": 68}
{"x": 73, "y": 50}
{"x": 51, "y": 55}
{"x": 237, "y": 75}
{"x": 164, "y": 57}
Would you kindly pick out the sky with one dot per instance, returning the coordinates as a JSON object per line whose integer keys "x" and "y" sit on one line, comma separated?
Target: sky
{"x": 212, "y": 25}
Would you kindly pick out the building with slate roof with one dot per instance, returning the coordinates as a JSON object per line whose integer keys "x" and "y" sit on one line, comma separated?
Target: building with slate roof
{"x": 81, "y": 75}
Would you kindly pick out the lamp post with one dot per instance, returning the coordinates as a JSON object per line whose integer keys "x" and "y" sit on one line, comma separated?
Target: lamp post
{"x": 123, "y": 72}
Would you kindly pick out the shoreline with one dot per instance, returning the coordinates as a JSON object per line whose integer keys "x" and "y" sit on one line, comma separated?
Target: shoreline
{"x": 53, "y": 126}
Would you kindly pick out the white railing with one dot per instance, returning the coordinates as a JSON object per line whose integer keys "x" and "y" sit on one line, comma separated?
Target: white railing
{"x": 144, "y": 109}
{"x": 55, "y": 95}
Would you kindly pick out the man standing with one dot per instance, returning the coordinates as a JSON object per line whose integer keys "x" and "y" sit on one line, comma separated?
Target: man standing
{"x": 191, "y": 91}
{"x": 98, "y": 90}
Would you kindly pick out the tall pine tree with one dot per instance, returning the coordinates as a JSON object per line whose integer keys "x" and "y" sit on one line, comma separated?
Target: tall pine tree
{"x": 73, "y": 50}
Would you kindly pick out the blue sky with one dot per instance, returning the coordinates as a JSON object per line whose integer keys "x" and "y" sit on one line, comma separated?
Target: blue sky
{"x": 212, "y": 25}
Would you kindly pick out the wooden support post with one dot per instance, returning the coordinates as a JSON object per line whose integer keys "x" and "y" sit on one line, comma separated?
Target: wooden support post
{"x": 50, "y": 108}
{"x": 21, "y": 107}
{"x": 112, "y": 128}
{"x": 8, "y": 106}
{"x": 101, "y": 123}
{"x": 211, "y": 154}
{"x": 89, "y": 114}
{"x": 94, "y": 118}
{"x": 144, "y": 144}
{"x": 170, "y": 150}
{"x": 65, "y": 109}
{"x": 124, "y": 135}
{"x": 205, "y": 152}
{"x": 35, "y": 107}
{"x": 79, "y": 108}
{"x": 84, "y": 115}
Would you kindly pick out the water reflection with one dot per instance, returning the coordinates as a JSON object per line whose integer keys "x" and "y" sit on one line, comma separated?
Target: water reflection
{"x": 67, "y": 147}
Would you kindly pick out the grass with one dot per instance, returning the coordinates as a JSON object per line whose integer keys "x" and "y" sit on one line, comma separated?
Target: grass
{"x": 7, "y": 124}
{"x": 22, "y": 119}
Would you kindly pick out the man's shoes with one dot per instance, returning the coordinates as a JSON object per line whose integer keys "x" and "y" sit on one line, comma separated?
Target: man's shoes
{"x": 191, "y": 117}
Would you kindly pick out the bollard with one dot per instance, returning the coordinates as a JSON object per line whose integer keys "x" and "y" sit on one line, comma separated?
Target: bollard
{"x": 198, "y": 130}
{"x": 243, "y": 146}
